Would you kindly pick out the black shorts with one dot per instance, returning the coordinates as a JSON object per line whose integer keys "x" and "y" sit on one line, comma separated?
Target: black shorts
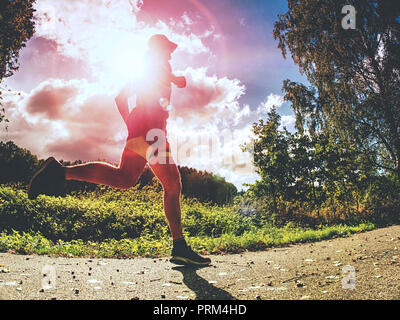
{"x": 140, "y": 138}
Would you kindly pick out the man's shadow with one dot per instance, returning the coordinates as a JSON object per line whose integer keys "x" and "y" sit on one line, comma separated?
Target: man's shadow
{"x": 203, "y": 289}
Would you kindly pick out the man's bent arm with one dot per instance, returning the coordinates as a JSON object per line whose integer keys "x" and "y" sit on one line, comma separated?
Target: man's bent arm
{"x": 122, "y": 103}
{"x": 179, "y": 81}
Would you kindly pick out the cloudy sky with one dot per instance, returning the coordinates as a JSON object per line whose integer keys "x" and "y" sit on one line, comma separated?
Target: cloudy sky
{"x": 61, "y": 101}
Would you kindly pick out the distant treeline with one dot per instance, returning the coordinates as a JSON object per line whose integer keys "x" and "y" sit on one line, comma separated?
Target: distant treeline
{"x": 17, "y": 165}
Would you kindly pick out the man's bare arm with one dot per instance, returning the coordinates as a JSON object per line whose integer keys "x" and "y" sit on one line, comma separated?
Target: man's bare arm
{"x": 179, "y": 81}
{"x": 122, "y": 103}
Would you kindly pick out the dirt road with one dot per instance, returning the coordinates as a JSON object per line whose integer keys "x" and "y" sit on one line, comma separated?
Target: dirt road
{"x": 363, "y": 266}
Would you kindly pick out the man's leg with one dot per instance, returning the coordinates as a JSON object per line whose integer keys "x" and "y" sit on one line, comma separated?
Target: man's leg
{"x": 170, "y": 179}
{"x": 122, "y": 177}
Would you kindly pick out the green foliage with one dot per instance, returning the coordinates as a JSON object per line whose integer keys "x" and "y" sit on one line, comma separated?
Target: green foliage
{"x": 16, "y": 164}
{"x": 354, "y": 74}
{"x": 314, "y": 178}
{"x": 343, "y": 162}
{"x": 88, "y": 218}
{"x": 17, "y": 26}
{"x": 206, "y": 186}
{"x": 126, "y": 224}
{"x": 110, "y": 214}
{"x": 201, "y": 185}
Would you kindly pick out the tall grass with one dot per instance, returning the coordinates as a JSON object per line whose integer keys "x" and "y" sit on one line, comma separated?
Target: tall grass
{"x": 113, "y": 223}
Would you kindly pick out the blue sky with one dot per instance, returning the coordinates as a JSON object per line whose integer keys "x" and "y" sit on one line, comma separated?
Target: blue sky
{"x": 264, "y": 69}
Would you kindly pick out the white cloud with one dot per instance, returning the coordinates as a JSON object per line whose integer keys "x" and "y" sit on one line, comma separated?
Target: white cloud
{"x": 288, "y": 121}
{"x": 186, "y": 19}
{"x": 79, "y": 123}
{"x": 272, "y": 100}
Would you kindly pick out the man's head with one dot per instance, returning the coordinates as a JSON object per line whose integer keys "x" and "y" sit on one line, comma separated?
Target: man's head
{"x": 160, "y": 45}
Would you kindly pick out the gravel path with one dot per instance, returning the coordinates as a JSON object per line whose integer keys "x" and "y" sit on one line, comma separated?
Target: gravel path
{"x": 302, "y": 271}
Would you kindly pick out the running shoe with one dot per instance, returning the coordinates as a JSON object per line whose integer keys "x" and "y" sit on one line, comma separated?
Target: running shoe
{"x": 186, "y": 256}
{"x": 47, "y": 180}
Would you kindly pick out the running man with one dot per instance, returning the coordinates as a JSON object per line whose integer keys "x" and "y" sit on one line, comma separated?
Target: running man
{"x": 145, "y": 123}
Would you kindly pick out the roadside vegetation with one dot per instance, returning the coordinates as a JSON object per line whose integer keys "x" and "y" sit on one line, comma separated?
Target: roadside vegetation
{"x": 111, "y": 223}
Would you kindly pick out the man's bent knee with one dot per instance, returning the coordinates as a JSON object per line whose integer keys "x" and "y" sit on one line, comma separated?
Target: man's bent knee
{"x": 126, "y": 181}
{"x": 173, "y": 187}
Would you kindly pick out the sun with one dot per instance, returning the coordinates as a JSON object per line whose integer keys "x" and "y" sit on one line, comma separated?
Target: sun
{"x": 130, "y": 63}
{"x": 127, "y": 61}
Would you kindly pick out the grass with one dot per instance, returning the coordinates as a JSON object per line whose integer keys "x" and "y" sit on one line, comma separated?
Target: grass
{"x": 115, "y": 224}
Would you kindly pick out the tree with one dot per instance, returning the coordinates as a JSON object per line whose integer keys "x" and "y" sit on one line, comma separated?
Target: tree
{"x": 16, "y": 164}
{"x": 271, "y": 159}
{"x": 16, "y": 28}
{"x": 303, "y": 172}
{"x": 355, "y": 74}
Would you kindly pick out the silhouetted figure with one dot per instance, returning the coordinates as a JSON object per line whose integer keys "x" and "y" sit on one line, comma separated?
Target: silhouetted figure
{"x": 146, "y": 143}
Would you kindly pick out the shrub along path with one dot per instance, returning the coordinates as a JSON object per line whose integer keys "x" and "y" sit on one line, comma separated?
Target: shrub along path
{"x": 301, "y": 271}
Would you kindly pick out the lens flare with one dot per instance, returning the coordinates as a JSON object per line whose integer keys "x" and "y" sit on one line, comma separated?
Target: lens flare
{"x": 125, "y": 62}
{"x": 130, "y": 64}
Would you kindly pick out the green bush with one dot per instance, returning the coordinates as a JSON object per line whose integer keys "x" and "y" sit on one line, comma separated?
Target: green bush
{"x": 113, "y": 223}
{"x": 110, "y": 214}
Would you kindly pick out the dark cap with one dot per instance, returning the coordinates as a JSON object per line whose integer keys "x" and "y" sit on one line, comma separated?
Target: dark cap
{"x": 160, "y": 41}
